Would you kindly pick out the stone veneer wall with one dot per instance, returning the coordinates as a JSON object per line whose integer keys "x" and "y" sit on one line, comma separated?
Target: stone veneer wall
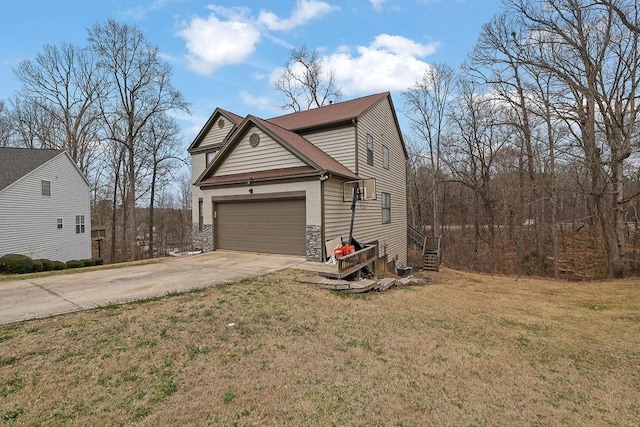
{"x": 314, "y": 243}
{"x": 203, "y": 239}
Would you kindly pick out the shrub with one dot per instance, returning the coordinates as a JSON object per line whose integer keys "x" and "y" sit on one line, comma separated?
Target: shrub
{"x": 88, "y": 262}
{"x": 16, "y": 264}
{"x": 99, "y": 261}
{"x": 47, "y": 264}
{"x": 59, "y": 265}
{"x": 75, "y": 263}
{"x": 37, "y": 266}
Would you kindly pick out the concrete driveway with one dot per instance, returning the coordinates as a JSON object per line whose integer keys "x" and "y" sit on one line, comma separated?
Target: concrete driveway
{"x": 47, "y": 296}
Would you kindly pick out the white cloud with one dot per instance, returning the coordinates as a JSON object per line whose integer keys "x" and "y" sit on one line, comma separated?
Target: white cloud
{"x": 213, "y": 43}
{"x": 230, "y": 35}
{"x": 304, "y": 11}
{"x": 261, "y": 102}
{"x": 377, "y": 4}
{"x": 388, "y": 63}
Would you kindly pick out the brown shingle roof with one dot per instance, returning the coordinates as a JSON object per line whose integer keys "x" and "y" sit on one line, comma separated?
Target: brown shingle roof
{"x": 17, "y": 162}
{"x": 327, "y": 115}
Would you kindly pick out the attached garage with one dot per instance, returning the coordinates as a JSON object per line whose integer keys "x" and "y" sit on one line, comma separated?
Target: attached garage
{"x": 270, "y": 225}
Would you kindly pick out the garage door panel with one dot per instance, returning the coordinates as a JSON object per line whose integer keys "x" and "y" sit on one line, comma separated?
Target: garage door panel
{"x": 271, "y": 226}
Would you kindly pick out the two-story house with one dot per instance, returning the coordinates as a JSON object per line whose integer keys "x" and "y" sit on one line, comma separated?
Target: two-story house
{"x": 44, "y": 205}
{"x": 277, "y": 185}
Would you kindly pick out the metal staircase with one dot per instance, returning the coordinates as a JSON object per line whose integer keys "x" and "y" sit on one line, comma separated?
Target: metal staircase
{"x": 430, "y": 248}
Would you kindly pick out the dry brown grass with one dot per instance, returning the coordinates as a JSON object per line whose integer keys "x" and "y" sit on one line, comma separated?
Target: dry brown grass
{"x": 465, "y": 350}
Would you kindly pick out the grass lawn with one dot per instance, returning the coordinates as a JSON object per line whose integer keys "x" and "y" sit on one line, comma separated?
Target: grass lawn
{"x": 464, "y": 350}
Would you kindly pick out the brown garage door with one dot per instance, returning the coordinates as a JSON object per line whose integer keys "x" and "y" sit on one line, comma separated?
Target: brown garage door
{"x": 270, "y": 226}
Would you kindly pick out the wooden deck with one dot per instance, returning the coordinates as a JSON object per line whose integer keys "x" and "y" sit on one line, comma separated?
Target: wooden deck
{"x": 344, "y": 266}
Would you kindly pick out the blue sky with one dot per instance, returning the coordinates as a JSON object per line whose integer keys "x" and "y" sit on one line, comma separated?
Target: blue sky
{"x": 225, "y": 53}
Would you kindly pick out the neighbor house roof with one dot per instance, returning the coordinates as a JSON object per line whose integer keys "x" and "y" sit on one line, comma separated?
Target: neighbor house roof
{"x": 17, "y": 162}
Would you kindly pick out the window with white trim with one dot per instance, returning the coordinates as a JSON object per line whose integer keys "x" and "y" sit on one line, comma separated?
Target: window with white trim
{"x": 59, "y": 223}
{"x": 46, "y": 188}
{"x": 79, "y": 224}
{"x": 210, "y": 156}
{"x": 369, "y": 149}
{"x": 386, "y": 208}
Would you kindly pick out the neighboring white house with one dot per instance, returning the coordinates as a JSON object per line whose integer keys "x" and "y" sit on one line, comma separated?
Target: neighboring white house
{"x": 276, "y": 185}
{"x": 44, "y": 205}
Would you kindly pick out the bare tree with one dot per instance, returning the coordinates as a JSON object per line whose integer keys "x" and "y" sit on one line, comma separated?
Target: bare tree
{"x": 305, "y": 83}
{"x": 426, "y": 108}
{"x": 162, "y": 149}
{"x": 61, "y": 84}
{"x": 5, "y": 126}
{"x": 481, "y": 135}
{"x": 139, "y": 88}
{"x": 593, "y": 58}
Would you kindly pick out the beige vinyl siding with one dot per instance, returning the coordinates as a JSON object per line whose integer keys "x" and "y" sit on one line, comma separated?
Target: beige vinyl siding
{"x": 215, "y": 134}
{"x": 378, "y": 122}
{"x": 28, "y": 220}
{"x": 197, "y": 167}
{"x": 267, "y": 155}
{"x": 367, "y": 224}
{"x": 310, "y": 188}
{"x": 338, "y": 143}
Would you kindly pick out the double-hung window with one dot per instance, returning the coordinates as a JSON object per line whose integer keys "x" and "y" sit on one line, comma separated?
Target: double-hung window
{"x": 369, "y": 150}
{"x": 385, "y": 157}
{"x": 46, "y": 188}
{"x": 79, "y": 224}
{"x": 386, "y": 208}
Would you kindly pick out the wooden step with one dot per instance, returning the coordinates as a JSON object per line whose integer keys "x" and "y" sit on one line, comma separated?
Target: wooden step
{"x": 385, "y": 284}
{"x": 431, "y": 261}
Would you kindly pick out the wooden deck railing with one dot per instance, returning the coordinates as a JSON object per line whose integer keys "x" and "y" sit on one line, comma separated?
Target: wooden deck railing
{"x": 355, "y": 261}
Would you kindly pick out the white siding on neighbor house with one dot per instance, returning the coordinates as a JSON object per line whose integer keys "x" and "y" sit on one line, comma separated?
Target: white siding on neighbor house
{"x": 216, "y": 135}
{"x": 368, "y": 226}
{"x": 28, "y": 220}
{"x": 338, "y": 143}
{"x": 267, "y": 155}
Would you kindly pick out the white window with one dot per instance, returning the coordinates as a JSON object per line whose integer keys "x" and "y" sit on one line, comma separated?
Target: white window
{"x": 46, "y": 188}
{"x": 369, "y": 150}
{"x": 59, "y": 223}
{"x": 385, "y": 157}
{"x": 210, "y": 156}
{"x": 386, "y": 208}
{"x": 79, "y": 224}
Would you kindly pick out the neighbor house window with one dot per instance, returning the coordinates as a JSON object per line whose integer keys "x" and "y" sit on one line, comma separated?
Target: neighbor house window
{"x": 200, "y": 216}
{"x": 369, "y": 150}
{"x": 210, "y": 156}
{"x": 79, "y": 224}
{"x": 386, "y": 208}
{"x": 59, "y": 223}
{"x": 385, "y": 157}
{"x": 46, "y": 188}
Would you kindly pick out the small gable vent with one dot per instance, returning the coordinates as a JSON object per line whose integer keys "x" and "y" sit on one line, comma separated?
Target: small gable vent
{"x": 221, "y": 123}
{"x": 254, "y": 139}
